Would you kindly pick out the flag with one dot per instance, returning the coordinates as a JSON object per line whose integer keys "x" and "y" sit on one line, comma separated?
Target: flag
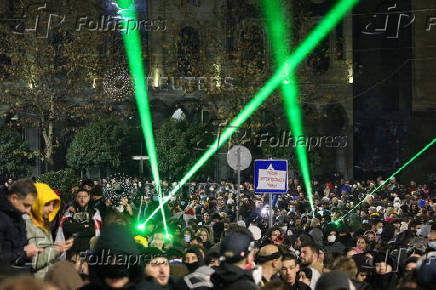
{"x": 189, "y": 213}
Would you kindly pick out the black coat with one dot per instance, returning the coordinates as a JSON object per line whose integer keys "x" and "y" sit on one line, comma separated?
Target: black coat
{"x": 96, "y": 286}
{"x": 12, "y": 235}
{"x": 230, "y": 277}
{"x": 149, "y": 283}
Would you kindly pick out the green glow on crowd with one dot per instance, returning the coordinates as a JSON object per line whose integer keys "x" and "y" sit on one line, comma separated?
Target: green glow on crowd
{"x": 132, "y": 43}
{"x": 320, "y": 31}
{"x": 393, "y": 175}
{"x": 280, "y": 36}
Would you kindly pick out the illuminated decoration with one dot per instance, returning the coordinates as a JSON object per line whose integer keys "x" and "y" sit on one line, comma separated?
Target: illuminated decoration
{"x": 350, "y": 75}
{"x": 132, "y": 42}
{"x": 322, "y": 29}
{"x": 392, "y": 176}
{"x": 217, "y": 68}
{"x": 117, "y": 83}
{"x": 279, "y": 33}
{"x": 119, "y": 186}
{"x": 156, "y": 78}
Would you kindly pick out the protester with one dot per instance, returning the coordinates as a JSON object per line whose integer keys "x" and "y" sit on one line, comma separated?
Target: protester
{"x": 238, "y": 252}
{"x": 383, "y": 239}
{"x": 38, "y": 230}
{"x": 16, "y": 200}
{"x": 157, "y": 271}
{"x": 270, "y": 258}
{"x": 81, "y": 221}
{"x": 64, "y": 276}
{"x": 114, "y": 263}
{"x": 309, "y": 257}
{"x": 26, "y": 283}
{"x": 288, "y": 273}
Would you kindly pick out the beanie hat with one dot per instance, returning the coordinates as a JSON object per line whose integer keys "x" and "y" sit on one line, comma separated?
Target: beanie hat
{"x": 334, "y": 280}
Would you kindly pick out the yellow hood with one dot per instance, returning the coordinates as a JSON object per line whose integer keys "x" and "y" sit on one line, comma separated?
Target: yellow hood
{"x": 44, "y": 195}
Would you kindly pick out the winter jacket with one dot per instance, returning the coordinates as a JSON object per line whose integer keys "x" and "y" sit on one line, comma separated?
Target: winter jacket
{"x": 230, "y": 277}
{"x": 37, "y": 232}
{"x": 96, "y": 286}
{"x": 12, "y": 236}
{"x": 44, "y": 240}
{"x": 299, "y": 286}
{"x": 149, "y": 283}
{"x": 85, "y": 222}
{"x": 359, "y": 285}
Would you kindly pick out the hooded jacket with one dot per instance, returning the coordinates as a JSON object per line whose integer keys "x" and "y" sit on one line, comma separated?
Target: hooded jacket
{"x": 38, "y": 232}
{"x": 231, "y": 277}
{"x": 12, "y": 235}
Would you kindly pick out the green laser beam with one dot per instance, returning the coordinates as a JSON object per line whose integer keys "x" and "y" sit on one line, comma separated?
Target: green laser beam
{"x": 132, "y": 43}
{"x": 321, "y": 30}
{"x": 393, "y": 175}
{"x": 279, "y": 33}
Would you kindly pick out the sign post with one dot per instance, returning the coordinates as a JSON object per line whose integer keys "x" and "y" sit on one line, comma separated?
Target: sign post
{"x": 141, "y": 163}
{"x": 270, "y": 176}
{"x": 241, "y": 162}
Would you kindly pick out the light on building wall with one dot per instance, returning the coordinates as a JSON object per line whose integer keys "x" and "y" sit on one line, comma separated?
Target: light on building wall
{"x": 156, "y": 78}
{"x": 217, "y": 68}
{"x": 350, "y": 75}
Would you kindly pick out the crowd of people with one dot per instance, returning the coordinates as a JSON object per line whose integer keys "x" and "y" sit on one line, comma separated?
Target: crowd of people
{"x": 351, "y": 239}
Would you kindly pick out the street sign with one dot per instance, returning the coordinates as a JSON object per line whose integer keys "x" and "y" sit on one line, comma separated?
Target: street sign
{"x": 271, "y": 176}
{"x": 241, "y": 152}
{"x": 239, "y": 158}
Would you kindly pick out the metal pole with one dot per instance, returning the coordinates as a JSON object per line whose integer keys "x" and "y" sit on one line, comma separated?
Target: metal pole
{"x": 270, "y": 211}
{"x": 239, "y": 184}
{"x": 140, "y": 209}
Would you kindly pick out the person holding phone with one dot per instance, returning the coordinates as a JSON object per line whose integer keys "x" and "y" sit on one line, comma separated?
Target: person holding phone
{"x": 15, "y": 201}
{"x": 38, "y": 230}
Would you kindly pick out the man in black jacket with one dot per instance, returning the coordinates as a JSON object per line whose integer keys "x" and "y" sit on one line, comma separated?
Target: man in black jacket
{"x": 15, "y": 201}
{"x": 237, "y": 248}
{"x": 83, "y": 220}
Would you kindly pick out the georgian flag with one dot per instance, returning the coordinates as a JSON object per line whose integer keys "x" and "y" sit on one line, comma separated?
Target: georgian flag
{"x": 188, "y": 214}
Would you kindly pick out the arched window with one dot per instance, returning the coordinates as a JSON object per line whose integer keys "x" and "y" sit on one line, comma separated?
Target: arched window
{"x": 319, "y": 59}
{"x": 252, "y": 46}
{"x": 188, "y": 49}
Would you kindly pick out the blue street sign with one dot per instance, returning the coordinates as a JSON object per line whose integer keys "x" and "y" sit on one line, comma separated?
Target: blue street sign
{"x": 271, "y": 176}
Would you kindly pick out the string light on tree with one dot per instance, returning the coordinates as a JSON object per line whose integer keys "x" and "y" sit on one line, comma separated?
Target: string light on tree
{"x": 117, "y": 84}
